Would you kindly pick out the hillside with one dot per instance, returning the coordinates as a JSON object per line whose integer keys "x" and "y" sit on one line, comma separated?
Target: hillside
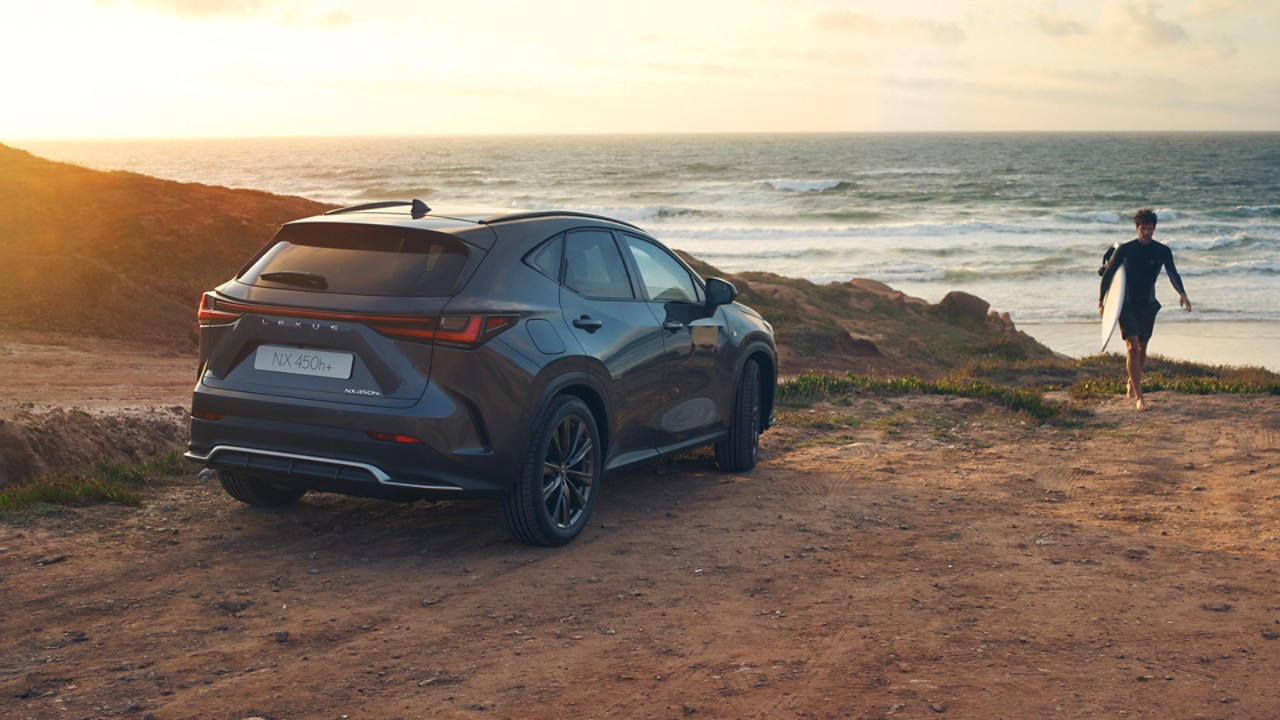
{"x": 121, "y": 255}
{"x": 118, "y": 255}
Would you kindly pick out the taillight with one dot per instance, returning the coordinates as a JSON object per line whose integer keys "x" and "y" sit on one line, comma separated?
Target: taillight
{"x": 464, "y": 331}
{"x": 213, "y": 313}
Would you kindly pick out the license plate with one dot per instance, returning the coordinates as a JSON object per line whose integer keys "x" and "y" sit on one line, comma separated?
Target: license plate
{"x": 318, "y": 363}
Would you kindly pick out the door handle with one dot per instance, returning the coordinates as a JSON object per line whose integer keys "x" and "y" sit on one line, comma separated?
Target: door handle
{"x": 673, "y": 325}
{"x": 586, "y": 322}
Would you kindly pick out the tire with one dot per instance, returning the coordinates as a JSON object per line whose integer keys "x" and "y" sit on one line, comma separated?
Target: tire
{"x": 258, "y": 492}
{"x": 559, "y": 478}
{"x": 738, "y": 450}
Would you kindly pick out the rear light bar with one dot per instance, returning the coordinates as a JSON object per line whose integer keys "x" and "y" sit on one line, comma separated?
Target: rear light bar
{"x": 211, "y": 312}
{"x": 464, "y": 331}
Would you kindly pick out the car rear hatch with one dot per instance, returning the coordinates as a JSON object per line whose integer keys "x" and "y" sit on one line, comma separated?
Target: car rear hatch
{"x": 341, "y": 312}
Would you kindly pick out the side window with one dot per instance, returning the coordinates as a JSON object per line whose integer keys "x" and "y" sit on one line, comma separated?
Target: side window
{"x": 663, "y": 277}
{"x": 593, "y": 266}
{"x": 547, "y": 258}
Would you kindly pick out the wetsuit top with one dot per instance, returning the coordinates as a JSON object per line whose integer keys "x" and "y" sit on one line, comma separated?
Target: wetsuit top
{"x": 1142, "y": 265}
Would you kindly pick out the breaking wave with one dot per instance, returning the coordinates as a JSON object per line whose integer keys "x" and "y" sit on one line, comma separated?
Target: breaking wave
{"x": 783, "y": 185}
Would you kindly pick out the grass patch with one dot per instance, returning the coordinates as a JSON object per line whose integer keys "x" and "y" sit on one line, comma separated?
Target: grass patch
{"x": 1193, "y": 380}
{"x": 65, "y": 490}
{"x": 105, "y": 482}
{"x": 1019, "y": 383}
{"x": 807, "y": 389}
{"x": 1104, "y": 375}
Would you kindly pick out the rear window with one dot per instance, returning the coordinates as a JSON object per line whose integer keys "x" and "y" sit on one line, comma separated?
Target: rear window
{"x": 355, "y": 259}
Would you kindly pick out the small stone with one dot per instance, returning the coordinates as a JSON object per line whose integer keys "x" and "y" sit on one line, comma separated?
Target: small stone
{"x": 282, "y": 636}
{"x": 937, "y": 707}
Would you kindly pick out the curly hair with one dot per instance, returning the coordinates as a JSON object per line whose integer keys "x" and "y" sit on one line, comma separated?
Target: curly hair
{"x": 1144, "y": 216}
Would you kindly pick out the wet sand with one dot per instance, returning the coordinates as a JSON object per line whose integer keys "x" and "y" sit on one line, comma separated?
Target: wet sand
{"x": 1253, "y": 343}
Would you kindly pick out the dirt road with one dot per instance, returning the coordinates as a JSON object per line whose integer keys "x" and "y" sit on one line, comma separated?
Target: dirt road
{"x": 911, "y": 557}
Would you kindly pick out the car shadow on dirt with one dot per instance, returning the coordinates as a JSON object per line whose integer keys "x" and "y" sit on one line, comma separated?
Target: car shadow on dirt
{"x": 364, "y": 530}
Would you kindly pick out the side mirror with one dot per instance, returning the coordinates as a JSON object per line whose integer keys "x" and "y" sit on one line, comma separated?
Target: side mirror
{"x": 720, "y": 292}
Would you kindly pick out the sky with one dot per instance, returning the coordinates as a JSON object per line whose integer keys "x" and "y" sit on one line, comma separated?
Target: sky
{"x": 236, "y": 68}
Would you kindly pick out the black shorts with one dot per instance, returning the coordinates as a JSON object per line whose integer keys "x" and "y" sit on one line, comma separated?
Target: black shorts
{"x": 1138, "y": 320}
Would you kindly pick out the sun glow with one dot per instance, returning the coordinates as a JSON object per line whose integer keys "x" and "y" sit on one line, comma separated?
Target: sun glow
{"x": 173, "y": 68}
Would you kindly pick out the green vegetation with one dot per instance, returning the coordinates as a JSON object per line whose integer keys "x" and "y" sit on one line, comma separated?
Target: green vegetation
{"x": 1020, "y": 384}
{"x": 106, "y": 481}
{"x": 1155, "y": 382}
{"x": 1101, "y": 375}
{"x": 810, "y": 388}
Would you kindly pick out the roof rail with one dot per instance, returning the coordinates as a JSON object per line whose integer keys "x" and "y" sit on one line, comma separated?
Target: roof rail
{"x": 555, "y": 213}
{"x": 417, "y": 207}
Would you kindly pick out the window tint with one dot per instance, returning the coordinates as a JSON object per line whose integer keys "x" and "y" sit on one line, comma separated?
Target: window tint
{"x": 593, "y": 266}
{"x": 547, "y": 258}
{"x": 360, "y": 260}
{"x": 663, "y": 277}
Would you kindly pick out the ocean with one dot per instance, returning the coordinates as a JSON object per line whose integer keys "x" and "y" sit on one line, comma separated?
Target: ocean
{"x": 1021, "y": 220}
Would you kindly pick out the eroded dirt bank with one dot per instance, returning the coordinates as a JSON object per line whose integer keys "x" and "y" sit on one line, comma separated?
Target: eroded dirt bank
{"x": 908, "y": 557}
{"x": 69, "y": 401}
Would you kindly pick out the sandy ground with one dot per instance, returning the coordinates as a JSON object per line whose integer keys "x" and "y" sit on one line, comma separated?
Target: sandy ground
{"x": 911, "y": 557}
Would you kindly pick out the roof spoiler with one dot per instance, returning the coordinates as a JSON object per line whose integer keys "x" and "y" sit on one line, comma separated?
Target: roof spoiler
{"x": 417, "y": 208}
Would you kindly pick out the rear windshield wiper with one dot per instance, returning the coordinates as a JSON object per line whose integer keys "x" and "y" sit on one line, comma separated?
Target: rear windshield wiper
{"x": 295, "y": 277}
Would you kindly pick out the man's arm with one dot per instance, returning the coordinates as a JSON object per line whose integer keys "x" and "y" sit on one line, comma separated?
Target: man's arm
{"x": 1176, "y": 279}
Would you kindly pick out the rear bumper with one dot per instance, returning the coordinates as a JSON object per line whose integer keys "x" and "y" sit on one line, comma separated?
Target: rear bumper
{"x": 329, "y": 448}
{"x": 230, "y": 457}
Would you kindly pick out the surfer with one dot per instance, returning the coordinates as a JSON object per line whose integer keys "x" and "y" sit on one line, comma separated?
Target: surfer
{"x": 1142, "y": 259}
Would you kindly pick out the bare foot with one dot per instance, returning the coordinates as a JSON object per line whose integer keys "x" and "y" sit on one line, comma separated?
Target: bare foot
{"x": 1142, "y": 404}
{"x": 1131, "y": 394}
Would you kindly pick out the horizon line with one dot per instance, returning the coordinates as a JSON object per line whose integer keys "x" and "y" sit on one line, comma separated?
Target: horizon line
{"x": 601, "y": 134}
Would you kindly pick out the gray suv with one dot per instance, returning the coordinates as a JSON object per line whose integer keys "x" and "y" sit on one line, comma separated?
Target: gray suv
{"x": 391, "y": 351}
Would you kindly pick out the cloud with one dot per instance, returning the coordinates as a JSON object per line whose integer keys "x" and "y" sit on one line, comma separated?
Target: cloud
{"x": 1218, "y": 8}
{"x": 1082, "y": 77}
{"x": 1053, "y": 21}
{"x": 846, "y": 21}
{"x": 1138, "y": 22}
{"x": 916, "y": 82}
{"x": 1221, "y": 47}
{"x": 941, "y": 33}
{"x": 282, "y": 12}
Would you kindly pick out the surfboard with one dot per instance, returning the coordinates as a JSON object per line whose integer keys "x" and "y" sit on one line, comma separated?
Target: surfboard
{"x": 1111, "y": 305}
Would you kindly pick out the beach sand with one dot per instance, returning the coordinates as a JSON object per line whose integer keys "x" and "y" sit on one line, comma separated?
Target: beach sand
{"x": 1252, "y": 343}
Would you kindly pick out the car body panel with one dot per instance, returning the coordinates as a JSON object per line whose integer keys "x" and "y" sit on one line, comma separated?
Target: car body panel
{"x": 658, "y": 376}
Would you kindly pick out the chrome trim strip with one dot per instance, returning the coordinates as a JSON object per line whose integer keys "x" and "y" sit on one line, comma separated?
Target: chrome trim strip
{"x": 377, "y": 473}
